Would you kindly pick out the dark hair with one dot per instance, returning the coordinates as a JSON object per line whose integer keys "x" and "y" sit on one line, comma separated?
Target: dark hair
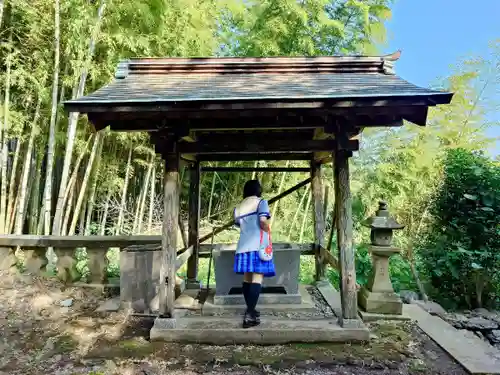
{"x": 252, "y": 188}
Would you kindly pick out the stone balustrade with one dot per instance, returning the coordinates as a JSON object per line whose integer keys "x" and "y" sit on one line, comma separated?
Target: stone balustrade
{"x": 35, "y": 247}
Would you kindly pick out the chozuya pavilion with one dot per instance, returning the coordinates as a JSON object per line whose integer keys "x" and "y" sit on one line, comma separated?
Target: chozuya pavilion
{"x": 284, "y": 108}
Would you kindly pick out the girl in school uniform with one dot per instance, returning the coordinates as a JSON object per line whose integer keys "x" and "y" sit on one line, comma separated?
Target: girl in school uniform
{"x": 252, "y": 217}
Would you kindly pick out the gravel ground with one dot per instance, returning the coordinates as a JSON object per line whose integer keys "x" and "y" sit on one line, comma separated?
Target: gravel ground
{"x": 46, "y": 328}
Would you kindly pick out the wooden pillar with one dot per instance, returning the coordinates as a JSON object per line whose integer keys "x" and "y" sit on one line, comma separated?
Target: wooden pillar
{"x": 344, "y": 235}
{"x": 169, "y": 236}
{"x": 194, "y": 224}
{"x": 319, "y": 219}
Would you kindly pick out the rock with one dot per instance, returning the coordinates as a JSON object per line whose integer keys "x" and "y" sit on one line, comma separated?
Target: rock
{"x": 184, "y": 302}
{"x": 41, "y": 302}
{"x": 480, "y": 335}
{"x": 139, "y": 306}
{"x": 481, "y": 312}
{"x": 110, "y": 365}
{"x": 493, "y": 336}
{"x": 408, "y": 296}
{"x": 112, "y": 304}
{"x": 431, "y": 307}
{"x": 456, "y": 320}
{"x": 67, "y": 302}
{"x": 154, "y": 305}
{"x": 479, "y": 324}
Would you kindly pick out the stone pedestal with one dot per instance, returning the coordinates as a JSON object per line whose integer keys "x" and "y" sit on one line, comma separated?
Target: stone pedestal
{"x": 140, "y": 279}
{"x": 378, "y": 295}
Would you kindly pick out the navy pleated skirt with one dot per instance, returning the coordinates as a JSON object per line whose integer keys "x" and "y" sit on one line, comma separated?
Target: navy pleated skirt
{"x": 251, "y": 262}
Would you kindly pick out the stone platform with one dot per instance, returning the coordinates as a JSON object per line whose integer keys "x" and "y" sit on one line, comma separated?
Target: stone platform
{"x": 226, "y": 331}
{"x": 311, "y": 320}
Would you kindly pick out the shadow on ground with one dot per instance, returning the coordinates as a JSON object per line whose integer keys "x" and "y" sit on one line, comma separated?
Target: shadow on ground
{"x": 39, "y": 335}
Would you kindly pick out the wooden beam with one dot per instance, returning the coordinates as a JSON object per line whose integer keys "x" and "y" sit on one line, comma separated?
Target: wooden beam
{"x": 254, "y": 169}
{"x": 257, "y": 104}
{"x": 271, "y": 201}
{"x": 266, "y": 147}
{"x": 306, "y": 248}
{"x": 330, "y": 259}
{"x": 319, "y": 220}
{"x": 255, "y": 157}
{"x": 194, "y": 221}
{"x": 169, "y": 236}
{"x": 343, "y": 201}
{"x": 183, "y": 258}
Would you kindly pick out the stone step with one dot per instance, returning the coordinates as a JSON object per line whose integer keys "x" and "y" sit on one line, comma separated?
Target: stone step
{"x": 226, "y": 331}
{"x": 475, "y": 355}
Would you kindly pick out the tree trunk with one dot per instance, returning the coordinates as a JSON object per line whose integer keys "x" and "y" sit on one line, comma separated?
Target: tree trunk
{"x": 124, "y": 192}
{"x": 73, "y": 120}
{"x": 143, "y": 202}
{"x": 91, "y": 201}
{"x": 152, "y": 198}
{"x": 83, "y": 189}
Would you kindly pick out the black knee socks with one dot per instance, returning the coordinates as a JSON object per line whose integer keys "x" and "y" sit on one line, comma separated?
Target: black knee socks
{"x": 253, "y": 296}
{"x": 246, "y": 287}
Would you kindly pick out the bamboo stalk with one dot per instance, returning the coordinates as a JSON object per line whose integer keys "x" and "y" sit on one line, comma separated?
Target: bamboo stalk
{"x": 52, "y": 127}
{"x": 11, "y": 201}
{"x": 296, "y": 214}
{"x": 3, "y": 140}
{"x": 93, "y": 187}
{"x": 143, "y": 202}
{"x": 83, "y": 189}
{"x": 280, "y": 188}
{"x": 306, "y": 214}
{"x": 73, "y": 117}
{"x": 124, "y": 192}
{"x": 152, "y": 198}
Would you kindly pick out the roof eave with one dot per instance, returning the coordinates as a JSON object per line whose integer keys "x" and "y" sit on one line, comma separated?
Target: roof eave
{"x": 84, "y": 106}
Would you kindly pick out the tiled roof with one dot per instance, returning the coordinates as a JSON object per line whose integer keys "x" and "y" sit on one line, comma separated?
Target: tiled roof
{"x": 239, "y": 79}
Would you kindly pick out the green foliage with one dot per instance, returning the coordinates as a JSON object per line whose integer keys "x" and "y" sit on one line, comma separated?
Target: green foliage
{"x": 461, "y": 252}
{"x": 304, "y": 28}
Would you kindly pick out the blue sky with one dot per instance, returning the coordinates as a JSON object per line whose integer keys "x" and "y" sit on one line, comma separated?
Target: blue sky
{"x": 434, "y": 35}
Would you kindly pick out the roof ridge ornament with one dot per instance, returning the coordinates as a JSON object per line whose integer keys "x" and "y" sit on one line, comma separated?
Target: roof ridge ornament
{"x": 395, "y": 56}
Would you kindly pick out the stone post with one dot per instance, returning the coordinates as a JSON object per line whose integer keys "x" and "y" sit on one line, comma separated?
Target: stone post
{"x": 98, "y": 264}
{"x": 35, "y": 259}
{"x": 8, "y": 259}
{"x": 66, "y": 265}
{"x": 378, "y": 295}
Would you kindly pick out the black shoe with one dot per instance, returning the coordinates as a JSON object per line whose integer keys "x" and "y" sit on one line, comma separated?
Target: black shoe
{"x": 250, "y": 320}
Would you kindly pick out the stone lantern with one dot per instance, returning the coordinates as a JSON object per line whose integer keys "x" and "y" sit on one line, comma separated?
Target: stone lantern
{"x": 378, "y": 295}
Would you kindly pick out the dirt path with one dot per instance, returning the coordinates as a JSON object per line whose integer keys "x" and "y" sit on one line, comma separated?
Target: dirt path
{"x": 41, "y": 334}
